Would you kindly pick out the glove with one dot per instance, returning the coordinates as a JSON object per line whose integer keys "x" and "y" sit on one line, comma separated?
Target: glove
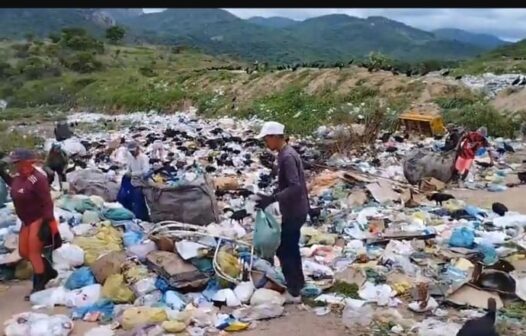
{"x": 264, "y": 201}
{"x": 44, "y": 234}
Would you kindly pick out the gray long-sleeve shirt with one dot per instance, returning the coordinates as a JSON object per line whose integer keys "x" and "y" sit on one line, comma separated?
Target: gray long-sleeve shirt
{"x": 292, "y": 192}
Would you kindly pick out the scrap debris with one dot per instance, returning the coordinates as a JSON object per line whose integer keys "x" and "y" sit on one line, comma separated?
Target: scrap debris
{"x": 372, "y": 242}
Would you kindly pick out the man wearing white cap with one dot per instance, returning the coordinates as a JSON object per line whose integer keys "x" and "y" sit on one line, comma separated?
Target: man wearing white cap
{"x": 293, "y": 202}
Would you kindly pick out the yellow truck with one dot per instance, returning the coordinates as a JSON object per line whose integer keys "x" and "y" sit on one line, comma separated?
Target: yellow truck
{"x": 428, "y": 124}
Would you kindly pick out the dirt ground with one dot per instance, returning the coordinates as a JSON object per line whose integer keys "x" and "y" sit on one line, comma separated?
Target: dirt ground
{"x": 296, "y": 321}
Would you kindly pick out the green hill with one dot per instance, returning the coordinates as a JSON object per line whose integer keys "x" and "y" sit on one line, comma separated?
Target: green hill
{"x": 330, "y": 38}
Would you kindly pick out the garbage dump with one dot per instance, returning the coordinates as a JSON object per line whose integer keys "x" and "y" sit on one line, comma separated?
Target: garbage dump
{"x": 492, "y": 84}
{"x": 372, "y": 246}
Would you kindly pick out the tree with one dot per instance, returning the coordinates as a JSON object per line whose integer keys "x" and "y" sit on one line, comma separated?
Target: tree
{"x": 115, "y": 34}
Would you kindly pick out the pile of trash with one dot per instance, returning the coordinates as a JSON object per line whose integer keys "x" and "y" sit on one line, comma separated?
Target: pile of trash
{"x": 371, "y": 244}
{"x": 492, "y": 84}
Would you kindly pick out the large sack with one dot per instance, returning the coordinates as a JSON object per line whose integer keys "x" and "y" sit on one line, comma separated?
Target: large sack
{"x": 107, "y": 265}
{"x": 191, "y": 203}
{"x": 420, "y": 164}
{"x": 93, "y": 182}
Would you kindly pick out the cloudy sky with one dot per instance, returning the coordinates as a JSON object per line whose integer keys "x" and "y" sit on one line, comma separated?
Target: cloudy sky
{"x": 506, "y": 23}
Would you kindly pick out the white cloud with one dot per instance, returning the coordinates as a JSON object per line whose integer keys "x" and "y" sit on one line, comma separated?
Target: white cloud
{"x": 507, "y": 23}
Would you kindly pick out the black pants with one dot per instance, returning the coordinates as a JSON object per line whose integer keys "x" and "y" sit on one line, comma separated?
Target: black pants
{"x": 289, "y": 254}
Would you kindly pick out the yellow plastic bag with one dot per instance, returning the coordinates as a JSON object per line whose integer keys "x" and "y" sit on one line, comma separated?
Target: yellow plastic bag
{"x": 173, "y": 326}
{"x": 107, "y": 239}
{"x": 116, "y": 290}
{"x": 228, "y": 264}
{"x": 135, "y": 316}
{"x": 133, "y": 272}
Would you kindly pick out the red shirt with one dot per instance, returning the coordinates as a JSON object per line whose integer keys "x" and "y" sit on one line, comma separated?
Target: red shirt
{"x": 32, "y": 197}
{"x": 471, "y": 144}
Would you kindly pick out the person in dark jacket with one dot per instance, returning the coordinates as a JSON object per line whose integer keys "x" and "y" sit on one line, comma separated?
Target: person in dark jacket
{"x": 56, "y": 162}
{"x": 33, "y": 205}
{"x": 62, "y": 131}
{"x": 452, "y": 139}
{"x": 293, "y": 200}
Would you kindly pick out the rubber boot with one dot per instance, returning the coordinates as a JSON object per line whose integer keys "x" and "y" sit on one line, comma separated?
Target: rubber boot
{"x": 49, "y": 272}
{"x": 38, "y": 285}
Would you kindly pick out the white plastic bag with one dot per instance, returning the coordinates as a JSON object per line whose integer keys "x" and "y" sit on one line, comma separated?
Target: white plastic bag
{"x": 259, "y": 312}
{"x": 36, "y": 324}
{"x": 100, "y": 331}
{"x": 144, "y": 286}
{"x": 353, "y": 316}
{"x": 263, "y": 295}
{"x": 65, "y": 232}
{"x": 82, "y": 229}
{"x": 50, "y": 297}
{"x": 68, "y": 255}
{"x": 228, "y": 296}
{"x": 83, "y": 297}
{"x": 380, "y": 294}
{"x": 244, "y": 291}
{"x": 141, "y": 250}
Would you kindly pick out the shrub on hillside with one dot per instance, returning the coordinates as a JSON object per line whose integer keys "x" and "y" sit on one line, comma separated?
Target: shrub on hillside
{"x": 82, "y": 62}
{"x": 35, "y": 67}
{"x": 79, "y": 39}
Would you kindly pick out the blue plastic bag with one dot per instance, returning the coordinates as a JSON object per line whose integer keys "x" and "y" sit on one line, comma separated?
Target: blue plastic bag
{"x": 81, "y": 277}
{"x": 130, "y": 238}
{"x": 462, "y": 237}
{"x": 103, "y": 306}
{"x": 490, "y": 254}
{"x": 174, "y": 300}
{"x": 267, "y": 235}
{"x": 161, "y": 284}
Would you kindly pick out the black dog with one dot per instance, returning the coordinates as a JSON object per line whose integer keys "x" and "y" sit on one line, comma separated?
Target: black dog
{"x": 440, "y": 197}
{"x": 482, "y": 326}
{"x": 499, "y": 208}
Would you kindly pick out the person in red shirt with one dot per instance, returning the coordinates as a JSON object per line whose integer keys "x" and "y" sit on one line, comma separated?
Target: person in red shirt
{"x": 33, "y": 205}
{"x": 469, "y": 144}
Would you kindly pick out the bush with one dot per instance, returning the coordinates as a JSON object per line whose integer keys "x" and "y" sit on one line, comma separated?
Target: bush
{"x": 82, "y": 62}
{"x": 78, "y": 39}
{"x": 36, "y": 67}
{"x": 147, "y": 72}
{"x": 481, "y": 114}
{"x": 6, "y": 70}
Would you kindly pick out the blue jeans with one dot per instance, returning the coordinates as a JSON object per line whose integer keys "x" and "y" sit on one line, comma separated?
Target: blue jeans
{"x": 132, "y": 199}
{"x": 289, "y": 254}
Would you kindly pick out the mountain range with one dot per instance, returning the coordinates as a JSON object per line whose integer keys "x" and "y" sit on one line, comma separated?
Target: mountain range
{"x": 329, "y": 38}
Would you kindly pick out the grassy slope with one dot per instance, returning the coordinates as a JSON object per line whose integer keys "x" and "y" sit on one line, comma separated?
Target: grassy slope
{"x": 302, "y": 99}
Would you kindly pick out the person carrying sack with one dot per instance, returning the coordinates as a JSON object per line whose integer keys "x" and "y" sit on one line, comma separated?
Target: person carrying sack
{"x": 39, "y": 233}
{"x": 293, "y": 201}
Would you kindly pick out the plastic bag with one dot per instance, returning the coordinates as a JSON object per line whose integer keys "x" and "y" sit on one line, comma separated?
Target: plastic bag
{"x": 267, "y": 235}
{"x": 80, "y": 278}
{"x": 36, "y": 324}
{"x": 174, "y": 300}
{"x": 462, "y": 237}
{"x": 490, "y": 254}
{"x": 361, "y": 316}
{"x": 260, "y": 312}
{"x": 141, "y": 250}
{"x": 244, "y": 291}
{"x": 136, "y": 316}
{"x": 107, "y": 239}
{"x": 116, "y": 290}
{"x": 150, "y": 299}
{"x": 49, "y": 297}
{"x": 381, "y": 294}
{"x": 117, "y": 214}
{"x": 68, "y": 256}
{"x": 131, "y": 238}
{"x": 227, "y": 296}
{"x": 83, "y": 297}
{"x": 103, "y": 307}
{"x": 144, "y": 286}
{"x": 100, "y": 331}
{"x": 173, "y": 326}
{"x": 266, "y": 296}
{"x": 65, "y": 232}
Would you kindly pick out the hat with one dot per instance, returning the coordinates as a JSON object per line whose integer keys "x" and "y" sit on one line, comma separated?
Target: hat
{"x": 20, "y": 154}
{"x": 271, "y": 128}
{"x": 483, "y": 131}
{"x": 132, "y": 145}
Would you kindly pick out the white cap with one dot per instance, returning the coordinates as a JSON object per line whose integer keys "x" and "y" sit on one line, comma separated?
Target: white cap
{"x": 271, "y": 128}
